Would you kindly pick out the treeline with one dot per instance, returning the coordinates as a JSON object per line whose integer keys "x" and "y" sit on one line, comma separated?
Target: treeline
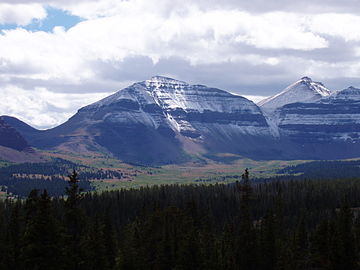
{"x": 278, "y": 225}
{"x": 54, "y": 185}
{"x": 324, "y": 169}
{"x": 20, "y": 179}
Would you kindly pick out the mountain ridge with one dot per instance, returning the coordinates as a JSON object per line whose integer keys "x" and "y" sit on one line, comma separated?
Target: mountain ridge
{"x": 164, "y": 121}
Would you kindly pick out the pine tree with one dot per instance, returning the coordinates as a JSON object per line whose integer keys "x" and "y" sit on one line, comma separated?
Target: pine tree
{"x": 93, "y": 248}
{"x": 268, "y": 248}
{"x": 300, "y": 245}
{"x": 320, "y": 247}
{"x": 3, "y": 249}
{"x": 246, "y": 242}
{"x": 207, "y": 242}
{"x": 74, "y": 223}
{"x": 14, "y": 236}
{"x": 109, "y": 242}
{"x": 343, "y": 252}
{"x": 40, "y": 246}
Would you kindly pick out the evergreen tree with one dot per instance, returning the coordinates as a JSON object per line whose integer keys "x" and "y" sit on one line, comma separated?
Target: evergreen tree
{"x": 14, "y": 236}
{"x": 300, "y": 245}
{"x": 41, "y": 238}
{"x": 93, "y": 248}
{"x": 74, "y": 223}
{"x": 268, "y": 248}
{"x": 3, "y": 249}
{"x": 320, "y": 247}
{"x": 246, "y": 243}
{"x": 109, "y": 241}
{"x": 343, "y": 252}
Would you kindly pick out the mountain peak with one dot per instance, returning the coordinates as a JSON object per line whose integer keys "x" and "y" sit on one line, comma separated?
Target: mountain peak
{"x": 303, "y": 90}
{"x": 306, "y": 79}
{"x": 350, "y": 93}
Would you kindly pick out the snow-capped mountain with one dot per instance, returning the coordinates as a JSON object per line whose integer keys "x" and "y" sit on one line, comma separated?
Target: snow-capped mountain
{"x": 165, "y": 102}
{"x": 303, "y": 90}
{"x": 329, "y": 124}
{"x": 162, "y": 120}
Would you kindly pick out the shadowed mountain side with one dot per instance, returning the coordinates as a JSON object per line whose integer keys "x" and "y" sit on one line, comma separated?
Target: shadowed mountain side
{"x": 13, "y": 155}
{"x": 11, "y": 138}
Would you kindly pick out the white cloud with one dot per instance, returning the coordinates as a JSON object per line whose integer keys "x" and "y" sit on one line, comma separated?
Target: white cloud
{"x": 21, "y": 14}
{"x": 197, "y": 36}
{"x": 345, "y": 26}
{"x": 42, "y": 108}
{"x": 256, "y": 48}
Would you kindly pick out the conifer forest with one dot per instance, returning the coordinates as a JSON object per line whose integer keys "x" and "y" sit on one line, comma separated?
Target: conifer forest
{"x": 303, "y": 224}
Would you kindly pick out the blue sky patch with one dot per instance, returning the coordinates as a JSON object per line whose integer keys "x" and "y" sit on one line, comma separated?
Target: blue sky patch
{"x": 55, "y": 17}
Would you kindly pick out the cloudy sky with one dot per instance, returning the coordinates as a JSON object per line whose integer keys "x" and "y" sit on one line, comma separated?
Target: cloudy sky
{"x": 56, "y": 56}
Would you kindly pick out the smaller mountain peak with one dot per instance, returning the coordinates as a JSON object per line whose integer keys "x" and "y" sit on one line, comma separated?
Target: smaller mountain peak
{"x": 303, "y": 90}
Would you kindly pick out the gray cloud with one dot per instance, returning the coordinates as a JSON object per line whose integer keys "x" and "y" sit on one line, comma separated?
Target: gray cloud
{"x": 256, "y": 6}
{"x": 255, "y": 55}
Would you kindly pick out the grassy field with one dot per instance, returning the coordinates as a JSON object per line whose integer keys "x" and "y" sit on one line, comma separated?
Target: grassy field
{"x": 201, "y": 170}
{"x": 190, "y": 173}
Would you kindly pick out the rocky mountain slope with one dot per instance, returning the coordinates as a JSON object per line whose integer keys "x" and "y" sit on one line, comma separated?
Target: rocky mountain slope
{"x": 330, "y": 125}
{"x": 162, "y": 120}
{"x": 303, "y": 90}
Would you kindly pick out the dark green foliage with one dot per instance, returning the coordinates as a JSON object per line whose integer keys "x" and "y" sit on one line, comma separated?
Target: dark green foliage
{"x": 279, "y": 225}
{"x": 343, "y": 249}
{"x": 3, "y": 247}
{"x": 50, "y": 179}
{"x": 74, "y": 224}
{"x": 14, "y": 232}
{"x": 40, "y": 249}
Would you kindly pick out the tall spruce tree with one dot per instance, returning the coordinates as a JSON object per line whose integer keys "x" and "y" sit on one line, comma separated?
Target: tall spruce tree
{"x": 343, "y": 252}
{"x": 41, "y": 238}
{"x": 74, "y": 223}
{"x": 14, "y": 236}
{"x": 268, "y": 247}
{"x": 246, "y": 240}
{"x": 3, "y": 249}
{"x": 320, "y": 247}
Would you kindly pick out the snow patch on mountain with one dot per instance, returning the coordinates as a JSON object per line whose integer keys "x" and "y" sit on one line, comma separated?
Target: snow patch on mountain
{"x": 162, "y": 101}
{"x": 303, "y": 90}
{"x": 350, "y": 94}
{"x": 172, "y": 94}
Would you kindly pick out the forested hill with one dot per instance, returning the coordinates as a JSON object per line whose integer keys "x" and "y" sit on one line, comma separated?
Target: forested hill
{"x": 277, "y": 225}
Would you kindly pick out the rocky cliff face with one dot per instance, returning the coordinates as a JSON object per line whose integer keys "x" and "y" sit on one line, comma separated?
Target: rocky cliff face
{"x": 335, "y": 118}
